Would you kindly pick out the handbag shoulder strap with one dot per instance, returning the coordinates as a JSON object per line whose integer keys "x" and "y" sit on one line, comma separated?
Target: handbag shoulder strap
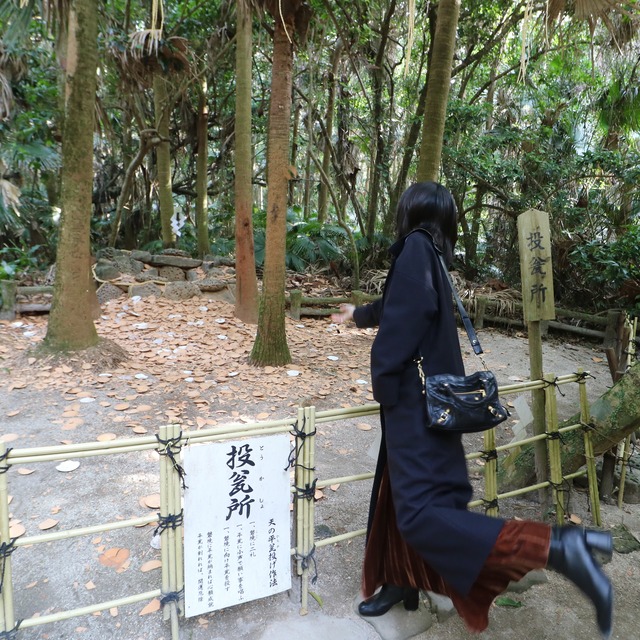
{"x": 466, "y": 320}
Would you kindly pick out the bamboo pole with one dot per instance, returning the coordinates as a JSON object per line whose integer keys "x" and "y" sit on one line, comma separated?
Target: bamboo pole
{"x": 164, "y": 511}
{"x": 299, "y": 486}
{"x": 306, "y": 524}
{"x": 341, "y": 538}
{"x": 178, "y": 538}
{"x": 83, "y": 611}
{"x": 592, "y": 474}
{"x": 626, "y": 451}
{"x": 7, "y": 619}
{"x": 553, "y": 446}
{"x": 84, "y": 531}
{"x": 169, "y": 533}
{"x": 491, "y": 471}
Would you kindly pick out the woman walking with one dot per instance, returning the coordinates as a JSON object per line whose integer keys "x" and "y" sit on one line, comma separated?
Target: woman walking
{"x": 420, "y": 532}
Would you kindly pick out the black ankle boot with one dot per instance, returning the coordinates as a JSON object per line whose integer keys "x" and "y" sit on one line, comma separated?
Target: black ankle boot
{"x": 388, "y": 596}
{"x": 570, "y": 554}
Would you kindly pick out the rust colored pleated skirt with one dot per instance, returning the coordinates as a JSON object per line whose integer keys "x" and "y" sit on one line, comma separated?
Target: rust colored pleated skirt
{"x": 521, "y": 547}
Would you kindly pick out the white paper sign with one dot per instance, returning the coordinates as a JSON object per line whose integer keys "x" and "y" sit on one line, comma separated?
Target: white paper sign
{"x": 236, "y": 522}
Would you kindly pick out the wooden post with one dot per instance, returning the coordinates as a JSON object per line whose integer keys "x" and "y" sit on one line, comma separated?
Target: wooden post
{"x": 8, "y": 292}
{"x": 534, "y": 241}
{"x": 295, "y": 298}
{"x": 481, "y": 309}
{"x": 589, "y": 456}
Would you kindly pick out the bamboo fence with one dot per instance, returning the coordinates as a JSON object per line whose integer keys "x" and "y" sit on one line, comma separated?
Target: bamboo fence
{"x": 169, "y": 444}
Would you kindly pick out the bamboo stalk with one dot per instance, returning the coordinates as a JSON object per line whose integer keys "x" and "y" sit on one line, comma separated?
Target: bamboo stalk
{"x": 626, "y": 451}
{"x": 7, "y": 620}
{"x": 164, "y": 511}
{"x": 170, "y": 533}
{"x": 553, "y": 446}
{"x": 312, "y": 479}
{"x": 178, "y": 538}
{"x": 341, "y": 538}
{"x": 304, "y": 597}
{"x": 491, "y": 472}
{"x": 83, "y": 611}
{"x": 321, "y": 484}
{"x": 84, "y": 531}
{"x": 299, "y": 500}
{"x": 592, "y": 475}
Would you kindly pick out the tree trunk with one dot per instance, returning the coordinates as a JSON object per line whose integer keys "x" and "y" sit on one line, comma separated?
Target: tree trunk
{"x": 74, "y": 300}
{"x": 326, "y": 154}
{"x": 438, "y": 90}
{"x": 614, "y": 415}
{"x": 163, "y": 158}
{"x": 270, "y": 347}
{"x": 202, "y": 174}
{"x": 246, "y": 305}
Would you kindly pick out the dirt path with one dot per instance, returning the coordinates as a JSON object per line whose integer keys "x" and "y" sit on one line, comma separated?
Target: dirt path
{"x": 188, "y": 364}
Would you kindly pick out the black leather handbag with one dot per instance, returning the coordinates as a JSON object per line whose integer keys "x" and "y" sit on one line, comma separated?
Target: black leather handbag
{"x": 462, "y": 403}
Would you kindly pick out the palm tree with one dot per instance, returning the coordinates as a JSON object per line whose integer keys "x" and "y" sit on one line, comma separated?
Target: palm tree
{"x": 246, "y": 305}
{"x": 438, "y": 83}
{"x": 270, "y": 347}
{"x": 70, "y": 321}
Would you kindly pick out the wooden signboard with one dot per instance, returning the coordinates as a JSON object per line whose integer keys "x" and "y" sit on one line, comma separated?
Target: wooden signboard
{"x": 534, "y": 240}
{"x": 237, "y": 537}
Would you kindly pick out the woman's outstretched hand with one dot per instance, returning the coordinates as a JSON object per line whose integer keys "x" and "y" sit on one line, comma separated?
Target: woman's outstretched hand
{"x": 345, "y": 314}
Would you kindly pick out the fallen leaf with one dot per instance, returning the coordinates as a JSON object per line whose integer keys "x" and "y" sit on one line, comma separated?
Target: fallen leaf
{"x": 16, "y": 530}
{"x": 13, "y": 413}
{"x": 113, "y": 611}
{"x": 49, "y": 523}
{"x": 105, "y": 437}
{"x": 9, "y": 437}
{"x": 31, "y": 585}
{"x": 122, "y": 406}
{"x": 89, "y": 585}
{"x": 363, "y": 426}
{"x": 334, "y": 487}
{"x": 575, "y": 519}
{"x": 152, "y": 501}
{"x": 114, "y": 557}
{"x": 153, "y": 606}
{"x": 151, "y": 565}
{"x": 596, "y": 359}
{"x": 318, "y": 495}
{"x": 23, "y": 471}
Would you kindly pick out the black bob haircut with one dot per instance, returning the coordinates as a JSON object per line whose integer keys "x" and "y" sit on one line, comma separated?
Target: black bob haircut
{"x": 430, "y": 206}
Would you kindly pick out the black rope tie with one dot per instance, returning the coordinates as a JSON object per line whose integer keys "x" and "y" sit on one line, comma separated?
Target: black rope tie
{"x": 172, "y": 447}
{"x": 11, "y": 634}
{"x": 562, "y": 487}
{"x": 306, "y": 560}
{"x": 308, "y": 492}
{"x": 554, "y": 383}
{"x": 583, "y": 375}
{"x": 6, "y": 549}
{"x": 491, "y": 454}
{"x": 587, "y": 426}
{"x": 5, "y": 456}
{"x": 172, "y": 596}
{"x": 295, "y": 452}
{"x": 490, "y": 504}
{"x": 556, "y": 435}
{"x": 172, "y": 521}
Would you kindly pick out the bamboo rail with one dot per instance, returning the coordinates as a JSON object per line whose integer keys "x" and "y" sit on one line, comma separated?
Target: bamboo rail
{"x": 171, "y": 439}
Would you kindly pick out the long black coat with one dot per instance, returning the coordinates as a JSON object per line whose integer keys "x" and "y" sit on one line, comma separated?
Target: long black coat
{"x": 427, "y": 469}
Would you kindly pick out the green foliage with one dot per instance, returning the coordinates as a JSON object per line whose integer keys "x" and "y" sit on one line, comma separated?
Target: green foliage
{"x": 606, "y": 266}
{"x": 308, "y": 242}
{"x": 17, "y": 261}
